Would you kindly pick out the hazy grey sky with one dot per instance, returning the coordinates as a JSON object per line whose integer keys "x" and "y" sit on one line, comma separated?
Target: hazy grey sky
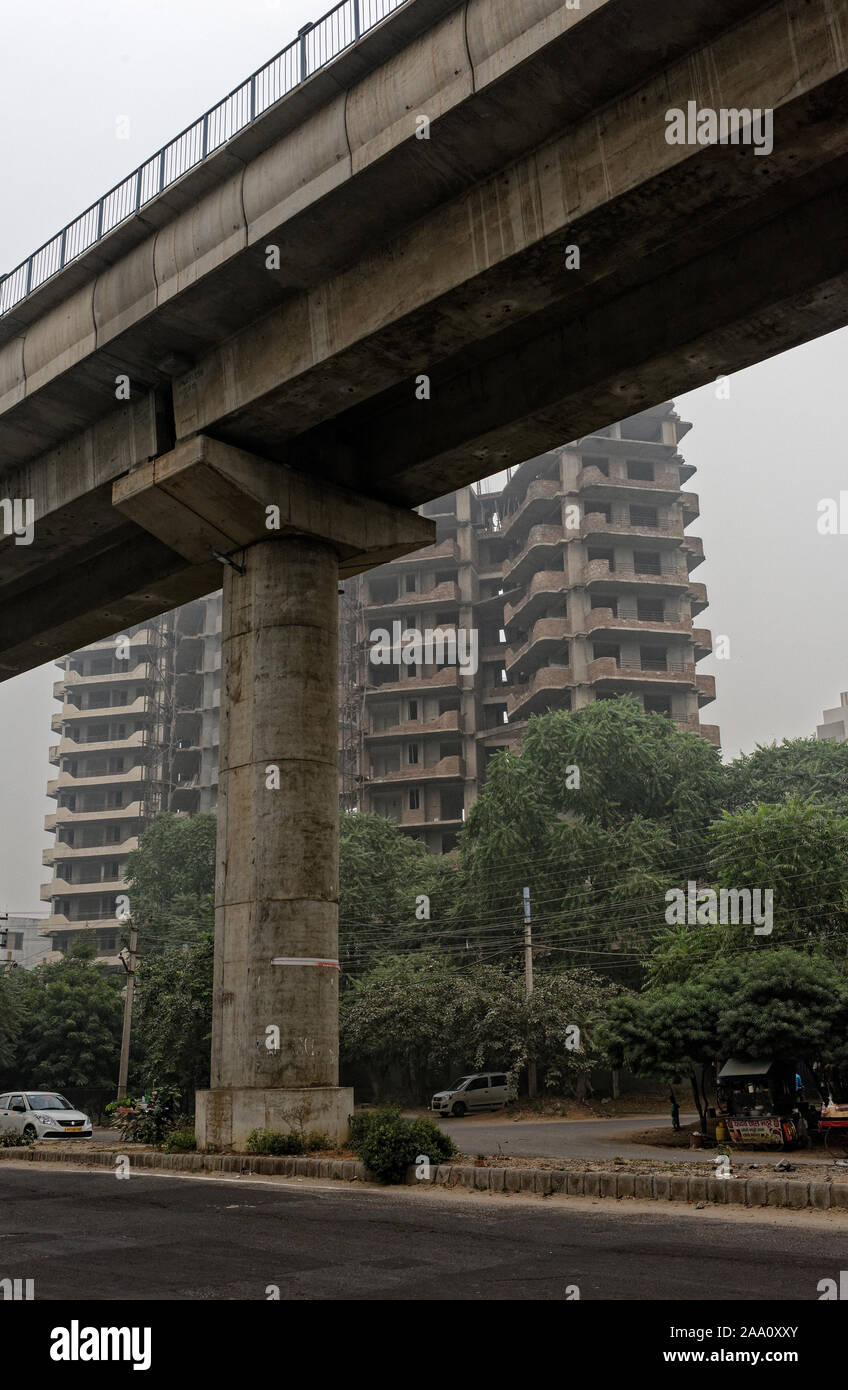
{"x": 71, "y": 71}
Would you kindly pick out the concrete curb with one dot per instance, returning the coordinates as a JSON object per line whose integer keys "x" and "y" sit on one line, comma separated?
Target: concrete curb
{"x": 789, "y": 1194}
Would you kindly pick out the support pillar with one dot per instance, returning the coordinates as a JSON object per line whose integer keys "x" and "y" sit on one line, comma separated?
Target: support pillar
{"x": 275, "y": 1030}
{"x": 286, "y": 540}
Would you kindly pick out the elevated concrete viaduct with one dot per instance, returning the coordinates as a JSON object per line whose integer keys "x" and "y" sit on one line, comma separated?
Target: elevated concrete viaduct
{"x": 411, "y": 212}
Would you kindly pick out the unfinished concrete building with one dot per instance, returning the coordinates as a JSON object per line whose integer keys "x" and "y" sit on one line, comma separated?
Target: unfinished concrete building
{"x": 138, "y": 733}
{"x": 574, "y": 576}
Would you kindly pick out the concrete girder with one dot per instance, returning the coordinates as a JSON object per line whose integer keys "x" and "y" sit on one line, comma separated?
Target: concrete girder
{"x": 206, "y": 497}
{"x": 318, "y": 166}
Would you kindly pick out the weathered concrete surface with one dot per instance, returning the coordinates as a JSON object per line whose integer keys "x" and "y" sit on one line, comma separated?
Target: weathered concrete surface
{"x": 401, "y": 256}
{"x": 276, "y": 890}
{"x": 205, "y": 497}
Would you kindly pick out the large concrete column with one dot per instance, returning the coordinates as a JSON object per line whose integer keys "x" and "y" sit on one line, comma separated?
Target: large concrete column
{"x": 275, "y": 1007}
{"x": 275, "y": 1028}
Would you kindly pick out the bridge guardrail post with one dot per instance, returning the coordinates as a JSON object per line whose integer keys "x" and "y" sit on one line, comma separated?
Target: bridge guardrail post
{"x": 301, "y": 33}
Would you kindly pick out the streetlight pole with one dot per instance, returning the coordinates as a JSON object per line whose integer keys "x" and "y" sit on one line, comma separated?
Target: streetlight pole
{"x": 528, "y": 984}
{"x": 128, "y": 1008}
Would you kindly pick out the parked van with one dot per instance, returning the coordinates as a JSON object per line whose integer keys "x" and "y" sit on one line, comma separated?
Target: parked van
{"x": 483, "y": 1090}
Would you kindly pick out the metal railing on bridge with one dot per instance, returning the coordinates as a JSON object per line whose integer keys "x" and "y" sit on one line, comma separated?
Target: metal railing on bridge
{"x": 316, "y": 45}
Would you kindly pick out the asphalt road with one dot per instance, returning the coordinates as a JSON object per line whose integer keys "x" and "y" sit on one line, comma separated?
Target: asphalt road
{"x": 492, "y": 1134}
{"x": 92, "y": 1236}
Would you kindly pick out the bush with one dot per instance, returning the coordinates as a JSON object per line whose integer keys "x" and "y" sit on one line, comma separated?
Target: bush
{"x": 180, "y": 1141}
{"x": 271, "y": 1141}
{"x": 316, "y": 1140}
{"x": 161, "y": 1116}
{"x": 387, "y": 1143}
{"x": 14, "y": 1141}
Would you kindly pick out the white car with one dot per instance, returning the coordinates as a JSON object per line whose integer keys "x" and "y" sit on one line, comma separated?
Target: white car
{"x": 480, "y": 1091}
{"x": 42, "y": 1115}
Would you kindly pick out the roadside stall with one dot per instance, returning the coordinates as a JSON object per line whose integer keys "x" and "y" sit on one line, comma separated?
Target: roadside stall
{"x": 833, "y": 1120}
{"x": 763, "y": 1104}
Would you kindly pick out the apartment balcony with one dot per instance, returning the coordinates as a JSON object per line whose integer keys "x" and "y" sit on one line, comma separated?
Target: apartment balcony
{"x": 709, "y": 732}
{"x": 706, "y": 689}
{"x": 410, "y": 603}
{"x": 664, "y": 487}
{"x": 703, "y": 642}
{"x": 598, "y": 577}
{"x": 130, "y": 743}
{"x": 449, "y": 722}
{"x": 61, "y": 888}
{"x": 495, "y": 605}
{"x": 143, "y": 638}
{"x": 430, "y": 555}
{"x": 698, "y": 596}
{"x": 71, "y": 713}
{"x": 546, "y": 690}
{"x": 691, "y": 507}
{"x": 134, "y": 810}
{"x": 66, "y": 782}
{"x": 543, "y": 544}
{"x": 446, "y": 679}
{"x": 545, "y": 638}
{"x": 57, "y": 921}
{"x": 693, "y": 547}
{"x": 534, "y": 507}
{"x": 447, "y": 769}
{"x": 606, "y": 671}
{"x": 626, "y": 620}
{"x": 142, "y": 671}
{"x": 596, "y": 527}
{"x": 61, "y": 850}
{"x": 544, "y": 586}
{"x": 416, "y": 820}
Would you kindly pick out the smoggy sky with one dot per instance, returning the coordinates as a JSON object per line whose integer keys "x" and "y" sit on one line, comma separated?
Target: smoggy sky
{"x": 72, "y": 75}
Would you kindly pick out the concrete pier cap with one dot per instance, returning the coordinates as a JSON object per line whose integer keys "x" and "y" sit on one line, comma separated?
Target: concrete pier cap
{"x": 284, "y": 540}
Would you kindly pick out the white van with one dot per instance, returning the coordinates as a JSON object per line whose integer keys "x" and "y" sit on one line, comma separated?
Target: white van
{"x": 484, "y": 1090}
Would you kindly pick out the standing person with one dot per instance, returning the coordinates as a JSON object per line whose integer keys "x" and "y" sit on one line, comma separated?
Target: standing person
{"x": 675, "y": 1112}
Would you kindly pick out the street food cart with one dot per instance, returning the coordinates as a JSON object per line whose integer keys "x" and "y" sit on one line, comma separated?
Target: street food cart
{"x": 833, "y": 1119}
{"x": 764, "y": 1104}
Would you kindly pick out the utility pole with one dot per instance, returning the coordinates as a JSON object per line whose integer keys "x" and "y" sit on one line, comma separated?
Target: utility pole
{"x": 528, "y": 984}
{"x": 4, "y": 942}
{"x": 128, "y": 1008}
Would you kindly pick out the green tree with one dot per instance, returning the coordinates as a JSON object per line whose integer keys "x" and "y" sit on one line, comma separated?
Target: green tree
{"x": 596, "y": 813}
{"x": 798, "y": 850}
{"x": 782, "y": 1004}
{"x": 10, "y": 1021}
{"x": 171, "y": 878}
{"x": 172, "y": 1018}
{"x": 70, "y": 1031}
{"x": 421, "y": 1016}
{"x": 382, "y": 875}
{"x": 797, "y": 767}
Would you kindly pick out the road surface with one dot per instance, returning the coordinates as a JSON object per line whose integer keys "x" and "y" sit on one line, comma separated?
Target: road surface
{"x": 92, "y": 1236}
{"x": 492, "y": 1134}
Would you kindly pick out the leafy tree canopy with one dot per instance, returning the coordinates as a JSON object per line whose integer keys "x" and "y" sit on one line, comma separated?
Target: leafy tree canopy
{"x": 171, "y": 879}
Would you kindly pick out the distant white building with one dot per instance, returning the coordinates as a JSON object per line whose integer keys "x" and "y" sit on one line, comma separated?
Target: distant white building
{"x": 835, "y": 721}
{"x": 24, "y": 947}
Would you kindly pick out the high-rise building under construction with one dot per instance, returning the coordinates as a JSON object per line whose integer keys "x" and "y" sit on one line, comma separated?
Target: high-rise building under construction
{"x": 138, "y": 733}
{"x": 572, "y": 575}
{"x": 573, "y": 580}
